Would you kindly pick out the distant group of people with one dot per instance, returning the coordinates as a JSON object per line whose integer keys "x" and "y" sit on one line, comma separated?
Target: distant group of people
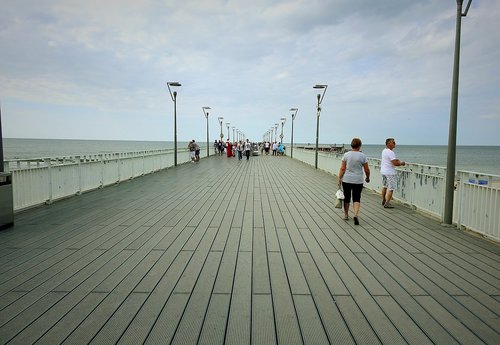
{"x": 354, "y": 170}
{"x": 194, "y": 151}
{"x": 278, "y": 149}
{"x": 233, "y": 149}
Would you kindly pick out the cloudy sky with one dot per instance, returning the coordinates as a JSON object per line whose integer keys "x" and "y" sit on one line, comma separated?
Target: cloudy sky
{"x": 97, "y": 69}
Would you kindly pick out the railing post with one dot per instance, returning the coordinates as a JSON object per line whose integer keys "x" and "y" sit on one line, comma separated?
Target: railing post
{"x": 49, "y": 174}
{"x": 79, "y": 191}
{"x": 101, "y": 158}
{"x": 119, "y": 163}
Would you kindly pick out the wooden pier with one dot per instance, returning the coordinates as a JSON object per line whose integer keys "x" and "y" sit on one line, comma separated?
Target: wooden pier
{"x": 241, "y": 252}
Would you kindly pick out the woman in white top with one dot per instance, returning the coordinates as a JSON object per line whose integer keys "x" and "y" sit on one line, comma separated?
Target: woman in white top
{"x": 354, "y": 163}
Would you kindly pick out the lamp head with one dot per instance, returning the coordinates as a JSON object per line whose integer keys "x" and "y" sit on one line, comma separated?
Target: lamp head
{"x": 174, "y": 94}
{"x": 205, "y": 111}
{"x": 321, "y": 86}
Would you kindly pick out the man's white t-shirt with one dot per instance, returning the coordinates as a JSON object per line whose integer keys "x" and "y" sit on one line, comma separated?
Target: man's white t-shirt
{"x": 386, "y": 166}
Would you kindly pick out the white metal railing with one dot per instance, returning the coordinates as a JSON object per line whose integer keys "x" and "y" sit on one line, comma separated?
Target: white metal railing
{"x": 476, "y": 199}
{"x": 44, "y": 180}
{"x": 477, "y": 205}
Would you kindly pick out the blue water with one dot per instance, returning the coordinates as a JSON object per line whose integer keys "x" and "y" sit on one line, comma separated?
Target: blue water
{"x": 38, "y": 148}
{"x": 482, "y": 159}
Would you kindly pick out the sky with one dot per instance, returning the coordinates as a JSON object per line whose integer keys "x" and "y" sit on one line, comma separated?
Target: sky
{"x": 98, "y": 69}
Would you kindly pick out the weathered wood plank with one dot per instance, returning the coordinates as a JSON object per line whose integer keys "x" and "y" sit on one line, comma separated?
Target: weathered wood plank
{"x": 240, "y": 312}
{"x": 287, "y": 324}
{"x": 214, "y": 328}
{"x": 335, "y": 326}
{"x": 263, "y": 326}
{"x": 192, "y": 320}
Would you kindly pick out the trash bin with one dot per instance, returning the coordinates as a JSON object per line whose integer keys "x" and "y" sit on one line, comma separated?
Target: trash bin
{"x": 6, "y": 201}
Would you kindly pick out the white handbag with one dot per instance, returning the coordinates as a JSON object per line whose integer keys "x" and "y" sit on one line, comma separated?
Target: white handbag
{"x": 340, "y": 194}
{"x": 340, "y": 198}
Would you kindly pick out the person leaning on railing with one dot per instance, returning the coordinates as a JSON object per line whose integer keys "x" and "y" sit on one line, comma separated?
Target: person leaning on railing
{"x": 388, "y": 171}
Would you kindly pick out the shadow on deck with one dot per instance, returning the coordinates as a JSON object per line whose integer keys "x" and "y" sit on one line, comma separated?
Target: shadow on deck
{"x": 228, "y": 252}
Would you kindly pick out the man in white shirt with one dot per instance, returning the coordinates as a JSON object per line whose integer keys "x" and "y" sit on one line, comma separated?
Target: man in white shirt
{"x": 388, "y": 172}
{"x": 248, "y": 147}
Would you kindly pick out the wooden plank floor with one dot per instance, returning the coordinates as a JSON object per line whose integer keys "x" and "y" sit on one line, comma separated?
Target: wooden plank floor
{"x": 228, "y": 252}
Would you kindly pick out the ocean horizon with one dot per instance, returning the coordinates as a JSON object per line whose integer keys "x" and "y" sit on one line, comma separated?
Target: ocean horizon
{"x": 481, "y": 159}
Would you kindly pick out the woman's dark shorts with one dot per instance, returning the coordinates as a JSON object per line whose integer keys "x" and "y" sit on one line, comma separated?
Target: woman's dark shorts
{"x": 354, "y": 189}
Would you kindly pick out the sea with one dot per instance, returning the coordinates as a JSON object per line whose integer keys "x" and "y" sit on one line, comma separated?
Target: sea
{"x": 479, "y": 159}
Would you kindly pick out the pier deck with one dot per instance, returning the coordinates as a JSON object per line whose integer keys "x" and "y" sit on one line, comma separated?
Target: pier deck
{"x": 228, "y": 252}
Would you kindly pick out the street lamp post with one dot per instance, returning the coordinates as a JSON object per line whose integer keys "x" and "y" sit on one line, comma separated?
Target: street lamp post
{"x": 320, "y": 99}
{"x": 227, "y": 125}
{"x": 294, "y": 114}
{"x": 234, "y": 137}
{"x": 174, "y": 99}
{"x": 220, "y": 118}
{"x": 283, "y": 120}
{"x": 276, "y": 132}
{"x": 452, "y": 136}
{"x": 206, "y": 116}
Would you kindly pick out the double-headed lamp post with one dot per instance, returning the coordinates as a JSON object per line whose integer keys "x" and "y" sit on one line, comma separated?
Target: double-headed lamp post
{"x": 283, "y": 120}
{"x": 206, "y": 116}
{"x": 173, "y": 95}
{"x": 276, "y": 125}
{"x": 228, "y": 137}
{"x": 320, "y": 99}
{"x": 294, "y": 114}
